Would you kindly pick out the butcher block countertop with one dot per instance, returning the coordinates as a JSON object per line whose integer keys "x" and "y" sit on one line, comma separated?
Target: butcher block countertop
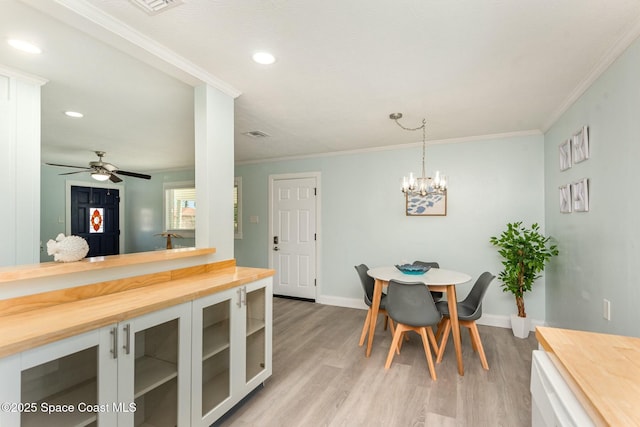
{"x": 602, "y": 370}
{"x": 50, "y": 269}
{"x": 41, "y": 323}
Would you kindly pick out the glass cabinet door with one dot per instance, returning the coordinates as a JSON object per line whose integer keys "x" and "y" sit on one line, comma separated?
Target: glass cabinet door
{"x": 255, "y": 332}
{"x": 62, "y": 391}
{"x": 216, "y": 355}
{"x": 153, "y": 371}
{"x": 156, "y": 375}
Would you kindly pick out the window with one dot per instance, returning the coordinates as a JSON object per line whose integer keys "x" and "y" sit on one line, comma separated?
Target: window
{"x": 180, "y": 208}
{"x": 237, "y": 207}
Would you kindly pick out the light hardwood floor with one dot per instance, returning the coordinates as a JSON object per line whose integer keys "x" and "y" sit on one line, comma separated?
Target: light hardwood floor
{"x": 322, "y": 378}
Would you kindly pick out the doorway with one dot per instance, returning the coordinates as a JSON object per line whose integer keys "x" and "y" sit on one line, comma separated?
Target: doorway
{"x": 293, "y": 234}
{"x": 94, "y": 214}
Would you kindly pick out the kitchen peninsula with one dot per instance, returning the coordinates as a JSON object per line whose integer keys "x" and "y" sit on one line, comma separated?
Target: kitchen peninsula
{"x": 182, "y": 345}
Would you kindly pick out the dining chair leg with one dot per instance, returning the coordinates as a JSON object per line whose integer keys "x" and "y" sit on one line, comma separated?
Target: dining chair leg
{"x": 365, "y": 328}
{"x": 439, "y": 329}
{"x": 391, "y": 326}
{"x": 386, "y": 322}
{"x": 474, "y": 347}
{"x": 405, "y": 337}
{"x": 427, "y": 352}
{"x": 446, "y": 330}
{"x": 400, "y": 328}
{"x": 432, "y": 340}
{"x": 475, "y": 338}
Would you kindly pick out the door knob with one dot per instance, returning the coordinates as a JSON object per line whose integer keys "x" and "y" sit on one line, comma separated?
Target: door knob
{"x": 275, "y": 248}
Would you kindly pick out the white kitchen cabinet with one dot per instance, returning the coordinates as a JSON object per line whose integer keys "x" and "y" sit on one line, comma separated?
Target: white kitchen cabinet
{"x": 232, "y": 341}
{"x": 135, "y": 373}
{"x": 183, "y": 365}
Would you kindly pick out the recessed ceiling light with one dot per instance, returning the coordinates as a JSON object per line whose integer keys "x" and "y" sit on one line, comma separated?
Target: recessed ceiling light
{"x": 24, "y": 46}
{"x": 264, "y": 58}
{"x": 74, "y": 114}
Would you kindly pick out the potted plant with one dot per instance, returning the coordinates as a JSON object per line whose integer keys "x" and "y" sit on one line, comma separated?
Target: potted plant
{"x": 525, "y": 252}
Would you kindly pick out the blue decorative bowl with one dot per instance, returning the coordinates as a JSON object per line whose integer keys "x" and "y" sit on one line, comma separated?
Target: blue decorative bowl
{"x": 411, "y": 269}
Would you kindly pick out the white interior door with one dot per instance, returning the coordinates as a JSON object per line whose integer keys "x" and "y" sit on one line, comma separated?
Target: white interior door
{"x": 293, "y": 236}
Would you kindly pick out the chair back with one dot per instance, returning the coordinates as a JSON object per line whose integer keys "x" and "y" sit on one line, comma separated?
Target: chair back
{"x": 473, "y": 302}
{"x": 432, "y": 264}
{"x": 427, "y": 264}
{"x": 411, "y": 304}
{"x": 367, "y": 282}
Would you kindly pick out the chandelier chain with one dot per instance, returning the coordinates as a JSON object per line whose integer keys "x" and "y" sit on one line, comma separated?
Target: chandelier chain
{"x": 422, "y": 185}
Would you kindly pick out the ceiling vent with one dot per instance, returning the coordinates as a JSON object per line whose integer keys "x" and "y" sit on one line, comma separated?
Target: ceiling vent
{"x": 153, "y": 7}
{"x": 256, "y": 134}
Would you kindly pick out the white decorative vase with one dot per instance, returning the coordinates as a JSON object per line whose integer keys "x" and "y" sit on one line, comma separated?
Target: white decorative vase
{"x": 520, "y": 326}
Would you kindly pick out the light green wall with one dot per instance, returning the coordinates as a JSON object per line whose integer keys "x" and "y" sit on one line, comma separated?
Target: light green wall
{"x": 492, "y": 182}
{"x": 143, "y": 208}
{"x": 599, "y": 249}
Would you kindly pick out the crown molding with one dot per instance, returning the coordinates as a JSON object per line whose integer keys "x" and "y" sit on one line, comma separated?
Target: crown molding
{"x": 612, "y": 54}
{"x": 395, "y": 147}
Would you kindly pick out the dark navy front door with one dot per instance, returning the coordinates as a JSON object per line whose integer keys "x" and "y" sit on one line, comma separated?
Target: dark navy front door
{"x": 95, "y": 217}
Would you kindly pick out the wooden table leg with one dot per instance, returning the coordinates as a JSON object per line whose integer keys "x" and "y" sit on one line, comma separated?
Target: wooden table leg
{"x": 455, "y": 326}
{"x": 375, "y": 306}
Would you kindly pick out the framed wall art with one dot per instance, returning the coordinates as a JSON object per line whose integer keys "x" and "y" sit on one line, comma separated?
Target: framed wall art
{"x": 565, "y": 198}
{"x": 580, "y": 145}
{"x": 564, "y": 152}
{"x": 429, "y": 205}
{"x": 580, "y": 195}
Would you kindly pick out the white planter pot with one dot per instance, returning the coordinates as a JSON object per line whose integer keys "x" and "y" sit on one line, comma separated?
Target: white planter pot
{"x": 520, "y": 326}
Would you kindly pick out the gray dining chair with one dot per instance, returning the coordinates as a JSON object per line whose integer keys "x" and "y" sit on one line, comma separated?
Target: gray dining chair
{"x": 469, "y": 310}
{"x": 368, "y": 285}
{"x": 437, "y": 296}
{"x": 411, "y": 306}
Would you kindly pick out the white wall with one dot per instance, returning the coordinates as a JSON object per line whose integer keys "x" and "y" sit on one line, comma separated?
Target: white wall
{"x": 599, "y": 249}
{"x": 492, "y": 182}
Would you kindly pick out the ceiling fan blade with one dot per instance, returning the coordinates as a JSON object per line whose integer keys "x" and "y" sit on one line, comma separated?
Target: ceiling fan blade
{"x": 133, "y": 174}
{"x": 68, "y": 166}
{"x": 71, "y": 173}
{"x": 114, "y": 178}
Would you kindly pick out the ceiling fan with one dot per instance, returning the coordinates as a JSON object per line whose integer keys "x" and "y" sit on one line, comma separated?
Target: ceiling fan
{"x": 102, "y": 171}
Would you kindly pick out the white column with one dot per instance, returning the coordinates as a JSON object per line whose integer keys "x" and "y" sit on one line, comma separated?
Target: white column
{"x": 214, "y": 170}
{"x": 19, "y": 167}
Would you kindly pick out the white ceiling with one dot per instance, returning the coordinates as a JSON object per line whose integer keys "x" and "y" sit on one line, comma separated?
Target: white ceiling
{"x": 472, "y": 67}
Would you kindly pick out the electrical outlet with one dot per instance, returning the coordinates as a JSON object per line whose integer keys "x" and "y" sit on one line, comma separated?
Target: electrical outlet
{"x": 606, "y": 309}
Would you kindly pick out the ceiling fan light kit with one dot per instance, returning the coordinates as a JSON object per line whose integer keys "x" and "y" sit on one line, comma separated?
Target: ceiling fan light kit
{"x": 102, "y": 171}
{"x": 100, "y": 176}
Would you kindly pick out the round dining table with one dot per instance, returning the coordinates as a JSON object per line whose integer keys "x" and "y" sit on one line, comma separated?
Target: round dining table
{"x": 437, "y": 279}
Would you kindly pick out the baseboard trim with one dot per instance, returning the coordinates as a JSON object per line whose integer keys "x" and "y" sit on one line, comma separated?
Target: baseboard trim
{"x": 342, "y": 302}
{"x": 497, "y": 320}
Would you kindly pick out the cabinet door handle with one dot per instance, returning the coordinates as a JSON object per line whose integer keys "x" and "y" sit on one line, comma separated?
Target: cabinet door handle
{"x": 239, "y": 303}
{"x": 114, "y": 341}
{"x": 127, "y": 338}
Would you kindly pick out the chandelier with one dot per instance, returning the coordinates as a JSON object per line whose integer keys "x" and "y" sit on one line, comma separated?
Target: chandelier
{"x": 422, "y": 185}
